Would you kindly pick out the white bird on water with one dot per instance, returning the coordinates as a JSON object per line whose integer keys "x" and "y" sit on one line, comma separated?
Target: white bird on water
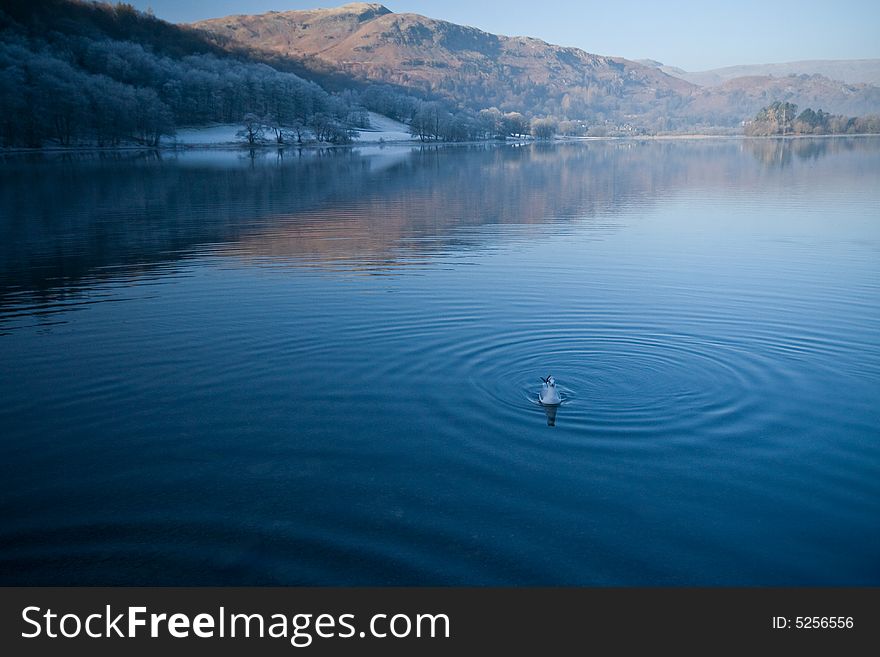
{"x": 549, "y": 395}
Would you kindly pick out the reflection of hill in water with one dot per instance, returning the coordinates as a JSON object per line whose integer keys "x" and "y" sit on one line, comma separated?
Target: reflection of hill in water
{"x": 67, "y": 222}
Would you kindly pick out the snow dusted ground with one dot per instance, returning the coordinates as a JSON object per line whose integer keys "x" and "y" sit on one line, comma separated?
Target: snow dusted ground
{"x": 381, "y": 129}
{"x": 385, "y": 129}
{"x": 207, "y": 136}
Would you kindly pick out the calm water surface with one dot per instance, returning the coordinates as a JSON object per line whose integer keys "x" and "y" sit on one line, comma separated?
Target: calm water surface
{"x": 322, "y": 368}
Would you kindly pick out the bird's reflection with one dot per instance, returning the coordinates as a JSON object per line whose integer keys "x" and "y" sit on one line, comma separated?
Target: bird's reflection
{"x": 551, "y": 415}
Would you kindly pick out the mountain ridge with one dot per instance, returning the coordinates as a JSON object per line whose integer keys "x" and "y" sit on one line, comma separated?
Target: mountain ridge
{"x": 469, "y": 67}
{"x": 850, "y": 71}
{"x": 455, "y": 62}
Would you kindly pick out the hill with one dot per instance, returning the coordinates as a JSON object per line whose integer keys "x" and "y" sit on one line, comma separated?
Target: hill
{"x": 457, "y": 63}
{"x": 478, "y": 70}
{"x": 742, "y": 97}
{"x": 81, "y": 73}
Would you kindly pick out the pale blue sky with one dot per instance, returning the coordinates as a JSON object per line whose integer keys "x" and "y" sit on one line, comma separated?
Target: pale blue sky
{"x": 692, "y": 35}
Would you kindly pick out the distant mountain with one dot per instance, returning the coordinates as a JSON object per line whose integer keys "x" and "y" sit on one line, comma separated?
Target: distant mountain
{"x": 477, "y": 70}
{"x": 744, "y": 96}
{"x": 847, "y": 87}
{"x": 851, "y": 71}
{"x": 458, "y": 63}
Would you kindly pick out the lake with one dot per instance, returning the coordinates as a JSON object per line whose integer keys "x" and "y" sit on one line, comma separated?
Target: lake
{"x": 322, "y": 367}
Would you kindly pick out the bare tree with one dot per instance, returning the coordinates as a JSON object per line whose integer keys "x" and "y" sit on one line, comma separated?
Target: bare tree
{"x": 253, "y": 129}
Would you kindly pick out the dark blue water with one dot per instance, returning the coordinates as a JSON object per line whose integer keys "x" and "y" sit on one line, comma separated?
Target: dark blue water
{"x": 322, "y": 368}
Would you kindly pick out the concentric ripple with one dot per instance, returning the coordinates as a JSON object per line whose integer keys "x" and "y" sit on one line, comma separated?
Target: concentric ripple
{"x": 620, "y": 380}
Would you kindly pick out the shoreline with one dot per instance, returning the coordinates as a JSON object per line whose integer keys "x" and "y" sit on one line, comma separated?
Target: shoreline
{"x": 228, "y": 146}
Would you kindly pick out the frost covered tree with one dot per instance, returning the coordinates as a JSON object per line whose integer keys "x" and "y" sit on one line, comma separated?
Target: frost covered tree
{"x": 253, "y": 129}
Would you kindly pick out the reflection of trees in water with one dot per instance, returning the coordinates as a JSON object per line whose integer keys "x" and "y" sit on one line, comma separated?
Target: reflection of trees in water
{"x": 76, "y": 218}
{"x": 780, "y": 152}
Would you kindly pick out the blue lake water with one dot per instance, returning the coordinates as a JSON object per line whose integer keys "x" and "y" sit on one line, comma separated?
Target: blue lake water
{"x": 322, "y": 367}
